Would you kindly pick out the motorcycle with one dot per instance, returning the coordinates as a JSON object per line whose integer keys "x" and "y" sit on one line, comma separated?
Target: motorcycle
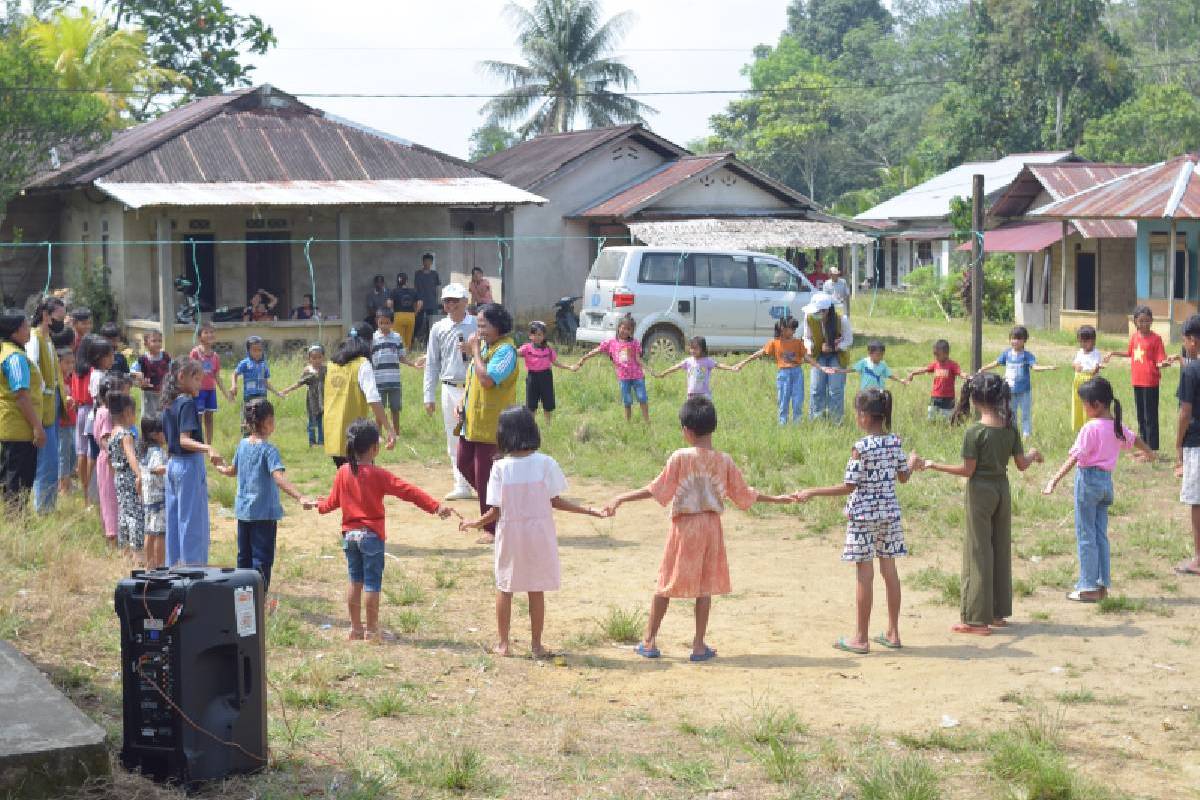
{"x": 189, "y": 310}
{"x": 566, "y": 321}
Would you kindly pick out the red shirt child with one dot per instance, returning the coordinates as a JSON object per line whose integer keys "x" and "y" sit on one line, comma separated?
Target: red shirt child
{"x": 1146, "y": 352}
{"x": 360, "y": 496}
{"x": 944, "y": 375}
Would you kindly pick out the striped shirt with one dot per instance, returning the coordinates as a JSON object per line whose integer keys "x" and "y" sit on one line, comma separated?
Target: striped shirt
{"x": 386, "y": 351}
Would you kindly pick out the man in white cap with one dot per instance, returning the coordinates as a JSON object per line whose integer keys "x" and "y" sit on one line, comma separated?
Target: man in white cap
{"x": 836, "y": 285}
{"x": 446, "y": 362}
{"x": 828, "y": 337}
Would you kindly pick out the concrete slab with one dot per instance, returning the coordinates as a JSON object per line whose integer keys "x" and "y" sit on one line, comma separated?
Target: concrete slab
{"x": 47, "y": 745}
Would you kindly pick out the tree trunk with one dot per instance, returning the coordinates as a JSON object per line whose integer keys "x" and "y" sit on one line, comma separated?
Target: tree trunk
{"x": 1058, "y": 118}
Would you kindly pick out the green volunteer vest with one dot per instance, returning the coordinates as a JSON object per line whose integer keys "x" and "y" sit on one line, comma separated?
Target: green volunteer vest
{"x": 344, "y": 403}
{"x": 484, "y": 404}
{"x": 13, "y": 425}
{"x": 817, "y": 334}
{"x": 47, "y": 364}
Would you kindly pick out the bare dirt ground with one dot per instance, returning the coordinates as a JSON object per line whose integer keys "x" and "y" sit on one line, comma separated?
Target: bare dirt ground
{"x": 1138, "y": 732}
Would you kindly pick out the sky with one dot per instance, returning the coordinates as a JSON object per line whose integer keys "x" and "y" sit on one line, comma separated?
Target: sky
{"x": 433, "y": 46}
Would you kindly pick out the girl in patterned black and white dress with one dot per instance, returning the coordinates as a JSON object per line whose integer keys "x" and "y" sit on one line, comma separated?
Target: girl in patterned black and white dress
{"x": 127, "y": 474}
{"x": 873, "y": 528}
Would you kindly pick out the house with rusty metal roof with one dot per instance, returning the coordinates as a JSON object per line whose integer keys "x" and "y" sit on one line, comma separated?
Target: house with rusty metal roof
{"x": 914, "y": 227}
{"x": 1163, "y": 202}
{"x": 244, "y": 191}
{"x": 1068, "y": 273}
{"x": 598, "y": 182}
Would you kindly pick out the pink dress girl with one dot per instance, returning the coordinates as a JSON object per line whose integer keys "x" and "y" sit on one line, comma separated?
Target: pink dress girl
{"x": 522, "y": 487}
{"x": 106, "y": 484}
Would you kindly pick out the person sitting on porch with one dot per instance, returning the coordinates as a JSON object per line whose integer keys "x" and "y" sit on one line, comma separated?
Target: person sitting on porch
{"x": 306, "y": 310}
{"x": 406, "y": 304}
{"x": 261, "y": 307}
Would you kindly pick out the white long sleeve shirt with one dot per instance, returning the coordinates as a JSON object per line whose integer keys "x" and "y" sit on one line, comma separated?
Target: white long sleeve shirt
{"x": 443, "y": 359}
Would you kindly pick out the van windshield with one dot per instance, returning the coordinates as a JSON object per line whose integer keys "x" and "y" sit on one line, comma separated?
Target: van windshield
{"x": 607, "y": 266}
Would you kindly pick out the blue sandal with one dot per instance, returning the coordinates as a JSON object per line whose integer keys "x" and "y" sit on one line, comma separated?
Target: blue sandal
{"x": 647, "y": 652}
{"x": 707, "y": 655}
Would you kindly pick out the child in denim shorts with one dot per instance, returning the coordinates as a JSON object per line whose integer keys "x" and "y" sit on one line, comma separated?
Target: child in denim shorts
{"x": 358, "y": 490}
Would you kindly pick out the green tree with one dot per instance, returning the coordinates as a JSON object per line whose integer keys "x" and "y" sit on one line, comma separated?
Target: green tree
{"x": 785, "y": 126}
{"x": 202, "y": 40}
{"x": 1037, "y": 71}
{"x": 1158, "y": 123}
{"x": 489, "y": 139}
{"x": 567, "y": 72}
{"x": 820, "y": 25}
{"x": 87, "y": 54}
{"x": 1163, "y": 33}
{"x": 31, "y": 123}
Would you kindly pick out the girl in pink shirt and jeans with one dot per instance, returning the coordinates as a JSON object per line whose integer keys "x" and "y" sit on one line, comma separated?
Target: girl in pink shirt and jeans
{"x": 1095, "y": 452}
{"x": 626, "y": 355}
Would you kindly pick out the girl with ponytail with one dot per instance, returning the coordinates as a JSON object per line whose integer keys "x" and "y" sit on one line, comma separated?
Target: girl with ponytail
{"x": 358, "y": 490}
{"x": 874, "y": 531}
{"x": 987, "y": 546}
{"x": 1095, "y": 452}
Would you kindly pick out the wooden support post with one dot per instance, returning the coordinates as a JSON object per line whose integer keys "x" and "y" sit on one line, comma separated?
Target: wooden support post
{"x": 976, "y": 273}
{"x": 1062, "y": 271}
{"x": 853, "y": 269}
{"x": 1171, "y": 285}
{"x": 166, "y": 281}
{"x": 346, "y": 280}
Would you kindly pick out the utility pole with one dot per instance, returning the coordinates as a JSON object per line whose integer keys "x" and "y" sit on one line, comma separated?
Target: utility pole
{"x": 976, "y": 273}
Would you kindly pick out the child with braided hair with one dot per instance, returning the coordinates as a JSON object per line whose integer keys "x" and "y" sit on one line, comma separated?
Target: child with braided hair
{"x": 987, "y": 545}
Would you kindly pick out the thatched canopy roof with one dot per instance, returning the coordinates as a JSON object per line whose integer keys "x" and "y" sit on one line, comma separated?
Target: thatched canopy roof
{"x": 745, "y": 234}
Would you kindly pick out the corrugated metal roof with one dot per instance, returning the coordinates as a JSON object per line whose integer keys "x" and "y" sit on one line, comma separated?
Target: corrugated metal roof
{"x": 1063, "y": 180}
{"x": 531, "y": 162}
{"x": 667, "y": 176}
{"x": 411, "y": 191}
{"x": 249, "y": 136}
{"x": 673, "y": 174}
{"x": 745, "y": 234}
{"x": 1167, "y": 190}
{"x": 931, "y": 199}
{"x": 1019, "y": 237}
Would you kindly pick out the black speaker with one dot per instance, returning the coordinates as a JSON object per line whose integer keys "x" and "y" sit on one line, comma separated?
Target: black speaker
{"x": 193, "y": 673}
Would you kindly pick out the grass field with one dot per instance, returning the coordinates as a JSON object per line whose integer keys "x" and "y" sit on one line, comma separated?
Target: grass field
{"x": 1072, "y": 702}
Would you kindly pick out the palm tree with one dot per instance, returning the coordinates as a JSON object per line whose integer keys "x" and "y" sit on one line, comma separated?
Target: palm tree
{"x": 567, "y": 71}
{"x": 86, "y": 53}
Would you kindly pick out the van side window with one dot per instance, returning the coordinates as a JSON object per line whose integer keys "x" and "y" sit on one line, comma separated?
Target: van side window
{"x": 668, "y": 269}
{"x": 773, "y": 277}
{"x": 721, "y": 271}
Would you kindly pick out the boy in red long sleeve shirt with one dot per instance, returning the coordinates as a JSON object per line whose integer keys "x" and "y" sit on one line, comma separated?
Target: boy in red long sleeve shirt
{"x": 358, "y": 490}
{"x": 1147, "y": 356}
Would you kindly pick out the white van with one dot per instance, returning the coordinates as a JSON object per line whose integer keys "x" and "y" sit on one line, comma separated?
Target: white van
{"x": 730, "y": 297}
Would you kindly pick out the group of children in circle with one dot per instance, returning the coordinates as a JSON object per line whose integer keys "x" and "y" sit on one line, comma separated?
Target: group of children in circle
{"x": 152, "y": 486}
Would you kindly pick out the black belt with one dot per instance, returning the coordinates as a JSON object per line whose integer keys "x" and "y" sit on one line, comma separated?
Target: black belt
{"x": 455, "y": 384}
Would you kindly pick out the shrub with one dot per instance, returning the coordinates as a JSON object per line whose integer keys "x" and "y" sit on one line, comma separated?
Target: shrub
{"x": 95, "y": 292}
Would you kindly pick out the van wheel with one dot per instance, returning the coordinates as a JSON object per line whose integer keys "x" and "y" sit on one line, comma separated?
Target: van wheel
{"x": 663, "y": 343}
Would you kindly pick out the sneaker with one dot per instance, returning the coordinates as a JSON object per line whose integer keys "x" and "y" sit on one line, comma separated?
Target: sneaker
{"x": 461, "y": 493}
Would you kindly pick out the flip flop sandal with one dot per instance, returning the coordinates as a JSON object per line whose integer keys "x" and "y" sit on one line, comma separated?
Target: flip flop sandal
{"x": 647, "y": 652}
{"x": 843, "y": 645}
{"x": 707, "y": 655}
{"x": 886, "y": 642}
{"x": 1186, "y": 570}
{"x": 975, "y": 630}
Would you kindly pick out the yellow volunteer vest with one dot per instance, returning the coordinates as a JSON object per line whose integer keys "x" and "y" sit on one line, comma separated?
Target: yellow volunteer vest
{"x": 483, "y": 405}
{"x": 47, "y": 364}
{"x": 344, "y": 403}
{"x": 13, "y": 425}
{"x": 818, "y": 339}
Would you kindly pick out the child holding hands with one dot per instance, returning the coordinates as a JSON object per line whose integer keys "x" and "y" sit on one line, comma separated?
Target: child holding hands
{"x": 873, "y": 529}
{"x": 358, "y": 490}
{"x": 626, "y": 355}
{"x": 260, "y": 475}
{"x": 699, "y": 367}
{"x": 1095, "y": 452}
{"x": 987, "y": 545}
{"x": 523, "y": 490}
{"x": 694, "y": 482}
